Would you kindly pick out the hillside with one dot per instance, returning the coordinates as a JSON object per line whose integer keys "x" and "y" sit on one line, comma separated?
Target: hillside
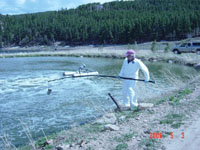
{"x": 116, "y": 22}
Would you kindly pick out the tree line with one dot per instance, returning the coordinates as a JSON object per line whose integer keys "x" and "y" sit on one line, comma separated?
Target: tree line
{"x": 116, "y": 22}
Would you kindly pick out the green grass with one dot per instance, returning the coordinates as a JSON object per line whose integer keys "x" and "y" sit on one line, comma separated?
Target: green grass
{"x": 25, "y": 148}
{"x": 174, "y": 119}
{"x": 133, "y": 114}
{"x": 52, "y": 136}
{"x": 174, "y": 116}
{"x": 160, "y": 101}
{"x": 151, "y": 112}
{"x": 180, "y": 95}
{"x": 89, "y": 148}
{"x": 41, "y": 142}
{"x": 187, "y": 91}
{"x": 166, "y": 121}
{"x": 125, "y": 137}
{"x": 48, "y": 147}
{"x": 74, "y": 138}
{"x": 122, "y": 140}
{"x": 165, "y": 134}
{"x": 176, "y": 125}
{"x": 149, "y": 143}
{"x": 68, "y": 141}
{"x": 129, "y": 114}
{"x": 183, "y": 93}
{"x": 119, "y": 139}
{"x": 122, "y": 146}
{"x": 174, "y": 98}
{"x": 95, "y": 128}
{"x": 129, "y": 136}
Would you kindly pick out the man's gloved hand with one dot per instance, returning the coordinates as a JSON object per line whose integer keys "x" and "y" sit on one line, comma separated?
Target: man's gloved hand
{"x": 118, "y": 77}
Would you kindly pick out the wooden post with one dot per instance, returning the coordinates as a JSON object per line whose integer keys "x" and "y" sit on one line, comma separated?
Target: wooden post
{"x": 115, "y": 101}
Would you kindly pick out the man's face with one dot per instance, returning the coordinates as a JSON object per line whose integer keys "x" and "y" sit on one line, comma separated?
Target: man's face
{"x": 130, "y": 57}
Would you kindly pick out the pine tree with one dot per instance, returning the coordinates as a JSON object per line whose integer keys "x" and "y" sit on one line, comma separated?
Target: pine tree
{"x": 167, "y": 48}
{"x": 1, "y": 43}
{"x": 46, "y": 41}
{"x": 119, "y": 22}
{"x": 154, "y": 46}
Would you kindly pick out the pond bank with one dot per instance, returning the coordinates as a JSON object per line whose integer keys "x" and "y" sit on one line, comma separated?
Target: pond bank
{"x": 171, "y": 115}
{"x": 190, "y": 59}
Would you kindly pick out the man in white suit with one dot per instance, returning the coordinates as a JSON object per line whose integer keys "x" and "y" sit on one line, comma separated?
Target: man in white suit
{"x": 130, "y": 69}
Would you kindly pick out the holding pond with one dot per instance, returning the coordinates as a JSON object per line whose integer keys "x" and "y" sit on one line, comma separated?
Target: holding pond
{"x": 23, "y": 85}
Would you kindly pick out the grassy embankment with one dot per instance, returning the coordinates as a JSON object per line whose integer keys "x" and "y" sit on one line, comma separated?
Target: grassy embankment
{"x": 90, "y": 132}
{"x": 172, "y": 118}
{"x": 145, "y": 51}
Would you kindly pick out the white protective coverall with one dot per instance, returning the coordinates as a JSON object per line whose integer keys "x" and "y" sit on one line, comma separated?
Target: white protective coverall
{"x": 131, "y": 70}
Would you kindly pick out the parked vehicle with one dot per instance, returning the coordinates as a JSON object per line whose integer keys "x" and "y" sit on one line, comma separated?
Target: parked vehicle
{"x": 187, "y": 47}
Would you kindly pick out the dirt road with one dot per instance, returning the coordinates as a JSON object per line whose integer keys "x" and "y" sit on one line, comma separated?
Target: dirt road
{"x": 189, "y": 140}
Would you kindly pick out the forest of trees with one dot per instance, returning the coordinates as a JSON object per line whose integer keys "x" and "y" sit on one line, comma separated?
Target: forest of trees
{"x": 115, "y": 22}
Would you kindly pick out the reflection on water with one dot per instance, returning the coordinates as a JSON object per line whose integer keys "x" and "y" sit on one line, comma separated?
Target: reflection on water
{"x": 23, "y": 92}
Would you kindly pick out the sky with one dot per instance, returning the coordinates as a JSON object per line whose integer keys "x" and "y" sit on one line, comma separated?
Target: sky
{"x": 12, "y": 7}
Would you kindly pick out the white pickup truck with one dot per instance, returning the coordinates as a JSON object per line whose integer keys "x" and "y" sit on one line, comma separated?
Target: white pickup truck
{"x": 187, "y": 47}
